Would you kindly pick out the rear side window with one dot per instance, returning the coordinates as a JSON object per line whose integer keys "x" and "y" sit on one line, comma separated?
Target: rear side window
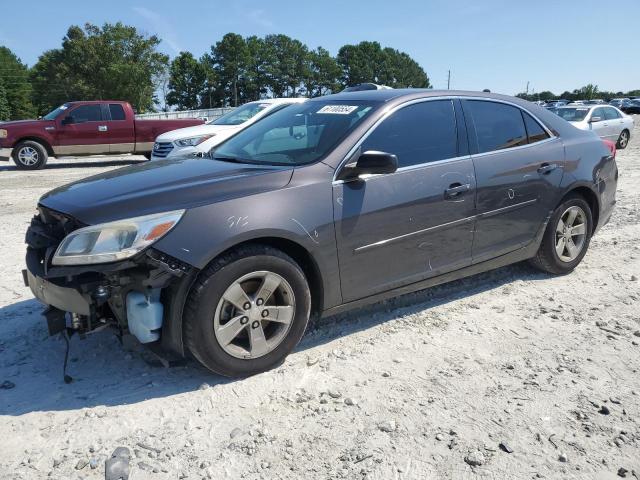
{"x": 419, "y": 133}
{"x": 610, "y": 114}
{"x": 534, "y": 131}
{"x": 117, "y": 112}
{"x": 497, "y": 125}
{"x": 87, "y": 113}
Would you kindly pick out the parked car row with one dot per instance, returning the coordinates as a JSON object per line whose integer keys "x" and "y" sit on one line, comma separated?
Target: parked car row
{"x": 321, "y": 206}
{"x": 606, "y": 121}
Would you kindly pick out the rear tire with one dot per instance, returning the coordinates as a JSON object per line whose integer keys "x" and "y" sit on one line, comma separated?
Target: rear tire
{"x": 30, "y": 155}
{"x": 567, "y": 237}
{"x": 247, "y": 334}
{"x": 623, "y": 140}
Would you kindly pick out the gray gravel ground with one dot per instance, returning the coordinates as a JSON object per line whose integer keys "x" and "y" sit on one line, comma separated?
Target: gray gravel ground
{"x": 438, "y": 384}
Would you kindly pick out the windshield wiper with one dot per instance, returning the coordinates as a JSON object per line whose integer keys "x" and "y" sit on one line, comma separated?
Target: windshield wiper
{"x": 233, "y": 160}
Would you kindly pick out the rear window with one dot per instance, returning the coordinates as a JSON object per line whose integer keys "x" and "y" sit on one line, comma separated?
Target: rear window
{"x": 497, "y": 125}
{"x": 573, "y": 114}
{"x": 534, "y": 131}
{"x": 117, "y": 112}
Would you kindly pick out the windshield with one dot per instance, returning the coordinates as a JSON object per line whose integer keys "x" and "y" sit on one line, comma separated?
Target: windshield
{"x": 240, "y": 115}
{"x": 300, "y": 134}
{"x": 54, "y": 114}
{"x": 572, "y": 114}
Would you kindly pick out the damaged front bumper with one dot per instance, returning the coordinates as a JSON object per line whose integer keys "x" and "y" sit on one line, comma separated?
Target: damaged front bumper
{"x": 143, "y": 295}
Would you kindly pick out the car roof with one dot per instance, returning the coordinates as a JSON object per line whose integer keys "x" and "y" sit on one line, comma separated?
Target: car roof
{"x": 277, "y": 101}
{"x": 411, "y": 93}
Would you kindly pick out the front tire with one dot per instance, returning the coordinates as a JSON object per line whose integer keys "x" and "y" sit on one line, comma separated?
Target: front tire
{"x": 623, "y": 140}
{"x": 247, "y": 311}
{"x": 567, "y": 237}
{"x": 30, "y": 155}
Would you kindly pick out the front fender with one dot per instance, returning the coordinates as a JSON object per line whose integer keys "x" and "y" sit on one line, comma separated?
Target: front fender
{"x": 301, "y": 214}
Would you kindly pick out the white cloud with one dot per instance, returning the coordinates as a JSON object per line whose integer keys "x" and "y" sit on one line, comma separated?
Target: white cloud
{"x": 259, "y": 17}
{"x": 161, "y": 27}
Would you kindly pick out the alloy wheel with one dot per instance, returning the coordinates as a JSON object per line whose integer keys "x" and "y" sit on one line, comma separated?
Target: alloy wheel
{"x": 571, "y": 233}
{"x": 28, "y": 156}
{"x": 254, "y": 315}
{"x": 623, "y": 140}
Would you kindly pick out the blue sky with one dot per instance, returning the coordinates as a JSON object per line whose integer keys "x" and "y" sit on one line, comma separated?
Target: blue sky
{"x": 496, "y": 44}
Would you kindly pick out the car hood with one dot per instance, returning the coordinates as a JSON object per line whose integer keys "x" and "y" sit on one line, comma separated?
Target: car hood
{"x": 161, "y": 186}
{"x": 196, "y": 131}
{"x": 26, "y": 123}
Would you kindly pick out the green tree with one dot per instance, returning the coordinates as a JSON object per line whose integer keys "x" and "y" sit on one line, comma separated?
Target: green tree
{"x": 261, "y": 59}
{"x": 369, "y": 62}
{"x": 5, "y": 112}
{"x": 322, "y": 73}
{"x": 587, "y": 92}
{"x": 187, "y": 82}
{"x": 230, "y": 60}
{"x": 112, "y": 62}
{"x": 287, "y": 68}
{"x": 14, "y": 76}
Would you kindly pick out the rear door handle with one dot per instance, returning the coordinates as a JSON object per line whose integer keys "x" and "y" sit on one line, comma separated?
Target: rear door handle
{"x": 547, "y": 168}
{"x": 456, "y": 190}
{"x": 102, "y": 128}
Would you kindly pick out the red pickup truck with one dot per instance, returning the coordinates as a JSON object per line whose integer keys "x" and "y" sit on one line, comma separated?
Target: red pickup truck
{"x": 82, "y": 128}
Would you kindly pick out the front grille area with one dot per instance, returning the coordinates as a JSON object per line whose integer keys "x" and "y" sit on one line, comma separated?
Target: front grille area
{"x": 162, "y": 149}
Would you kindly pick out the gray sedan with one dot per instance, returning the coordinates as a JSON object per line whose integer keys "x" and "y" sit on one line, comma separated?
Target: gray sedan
{"x": 323, "y": 206}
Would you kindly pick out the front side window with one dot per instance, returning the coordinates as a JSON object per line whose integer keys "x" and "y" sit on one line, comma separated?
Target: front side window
{"x": 86, "y": 113}
{"x": 497, "y": 125}
{"x": 299, "y": 134}
{"x": 419, "y": 133}
{"x": 598, "y": 112}
{"x": 534, "y": 131}
{"x": 240, "y": 115}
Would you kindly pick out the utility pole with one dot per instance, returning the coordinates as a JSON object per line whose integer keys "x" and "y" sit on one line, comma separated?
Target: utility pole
{"x": 449, "y": 80}
{"x": 527, "y": 87}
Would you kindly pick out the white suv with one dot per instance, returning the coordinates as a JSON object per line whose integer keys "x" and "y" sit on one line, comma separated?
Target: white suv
{"x": 203, "y": 138}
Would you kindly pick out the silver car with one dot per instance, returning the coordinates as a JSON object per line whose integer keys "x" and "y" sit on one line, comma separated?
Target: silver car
{"x": 605, "y": 120}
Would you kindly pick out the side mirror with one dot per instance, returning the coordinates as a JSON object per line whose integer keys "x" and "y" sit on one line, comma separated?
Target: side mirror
{"x": 595, "y": 119}
{"x": 370, "y": 162}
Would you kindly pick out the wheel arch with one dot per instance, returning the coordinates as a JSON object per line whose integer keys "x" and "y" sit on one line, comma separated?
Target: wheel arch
{"x": 36, "y": 139}
{"x": 300, "y": 255}
{"x": 590, "y": 196}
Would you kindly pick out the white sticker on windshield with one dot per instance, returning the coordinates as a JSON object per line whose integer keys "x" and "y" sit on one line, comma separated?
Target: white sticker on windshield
{"x": 338, "y": 109}
{"x": 63, "y": 107}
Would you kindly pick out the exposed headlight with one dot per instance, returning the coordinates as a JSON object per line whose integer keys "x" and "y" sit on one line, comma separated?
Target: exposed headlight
{"x": 3, "y": 133}
{"x": 193, "y": 141}
{"x": 109, "y": 242}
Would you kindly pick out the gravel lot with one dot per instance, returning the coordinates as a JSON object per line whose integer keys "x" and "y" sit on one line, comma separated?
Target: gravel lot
{"x": 439, "y": 384}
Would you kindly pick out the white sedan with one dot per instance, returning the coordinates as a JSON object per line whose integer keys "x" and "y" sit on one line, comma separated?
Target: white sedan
{"x": 202, "y": 138}
{"x": 606, "y": 121}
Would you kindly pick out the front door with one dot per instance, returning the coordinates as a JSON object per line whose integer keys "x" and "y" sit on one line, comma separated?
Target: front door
{"x": 83, "y": 131}
{"x": 403, "y": 227}
{"x": 518, "y": 166}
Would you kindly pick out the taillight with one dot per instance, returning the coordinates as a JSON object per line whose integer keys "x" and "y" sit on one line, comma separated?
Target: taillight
{"x": 611, "y": 146}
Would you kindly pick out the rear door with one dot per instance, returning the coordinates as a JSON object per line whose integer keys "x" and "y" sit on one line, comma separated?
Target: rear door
{"x": 518, "y": 166}
{"x": 614, "y": 121}
{"x": 400, "y": 228}
{"x": 121, "y": 133}
{"x": 83, "y": 131}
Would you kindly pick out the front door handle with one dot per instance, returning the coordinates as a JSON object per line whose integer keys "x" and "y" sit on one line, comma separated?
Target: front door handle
{"x": 456, "y": 190}
{"x": 102, "y": 128}
{"x": 547, "y": 168}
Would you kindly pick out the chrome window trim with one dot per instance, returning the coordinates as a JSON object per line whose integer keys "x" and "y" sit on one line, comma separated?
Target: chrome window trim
{"x": 392, "y": 110}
